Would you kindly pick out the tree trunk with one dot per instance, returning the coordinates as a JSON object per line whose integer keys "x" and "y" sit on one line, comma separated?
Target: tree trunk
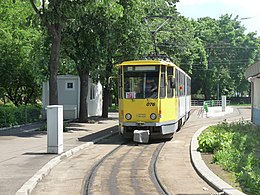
{"x": 106, "y": 93}
{"x": 105, "y": 102}
{"x": 53, "y": 64}
{"x": 83, "y": 110}
{"x": 205, "y": 91}
{"x": 55, "y": 31}
{"x": 206, "y": 94}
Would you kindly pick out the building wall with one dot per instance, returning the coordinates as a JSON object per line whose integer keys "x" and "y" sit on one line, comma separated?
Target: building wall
{"x": 256, "y": 101}
{"x": 95, "y": 99}
{"x": 68, "y": 89}
{"x": 252, "y": 73}
{"x": 256, "y": 116}
{"x": 69, "y": 96}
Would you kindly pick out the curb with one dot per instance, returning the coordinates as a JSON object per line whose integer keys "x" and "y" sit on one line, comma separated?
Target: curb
{"x": 202, "y": 169}
{"x": 28, "y": 186}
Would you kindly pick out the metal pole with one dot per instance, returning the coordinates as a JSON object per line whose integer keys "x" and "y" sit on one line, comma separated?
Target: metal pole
{"x": 218, "y": 91}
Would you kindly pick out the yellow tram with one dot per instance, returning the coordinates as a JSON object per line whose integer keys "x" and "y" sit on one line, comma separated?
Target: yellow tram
{"x": 154, "y": 95}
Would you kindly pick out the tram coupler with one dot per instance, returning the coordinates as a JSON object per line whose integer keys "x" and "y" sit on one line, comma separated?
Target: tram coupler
{"x": 141, "y": 136}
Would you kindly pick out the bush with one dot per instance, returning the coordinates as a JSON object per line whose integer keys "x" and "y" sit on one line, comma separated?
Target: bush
{"x": 236, "y": 147}
{"x": 11, "y": 115}
{"x": 215, "y": 138}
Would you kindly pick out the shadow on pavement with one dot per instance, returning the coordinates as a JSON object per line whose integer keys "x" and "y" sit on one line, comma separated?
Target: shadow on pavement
{"x": 93, "y": 136}
{"x": 25, "y": 130}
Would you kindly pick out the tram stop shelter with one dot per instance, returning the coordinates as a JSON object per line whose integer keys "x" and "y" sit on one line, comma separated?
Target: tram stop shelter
{"x": 252, "y": 74}
{"x": 69, "y": 96}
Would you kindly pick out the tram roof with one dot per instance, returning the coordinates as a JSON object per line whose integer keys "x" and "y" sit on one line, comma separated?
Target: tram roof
{"x": 150, "y": 62}
{"x": 146, "y": 62}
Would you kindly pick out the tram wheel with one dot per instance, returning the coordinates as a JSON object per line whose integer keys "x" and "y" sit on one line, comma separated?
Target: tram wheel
{"x": 168, "y": 136}
{"x": 179, "y": 125}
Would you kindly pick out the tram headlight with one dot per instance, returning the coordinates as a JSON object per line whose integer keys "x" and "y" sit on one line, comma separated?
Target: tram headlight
{"x": 153, "y": 116}
{"x": 128, "y": 116}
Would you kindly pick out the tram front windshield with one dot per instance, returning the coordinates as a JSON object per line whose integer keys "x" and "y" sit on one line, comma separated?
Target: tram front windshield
{"x": 141, "y": 82}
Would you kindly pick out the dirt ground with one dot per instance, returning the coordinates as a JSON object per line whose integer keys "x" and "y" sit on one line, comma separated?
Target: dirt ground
{"x": 218, "y": 170}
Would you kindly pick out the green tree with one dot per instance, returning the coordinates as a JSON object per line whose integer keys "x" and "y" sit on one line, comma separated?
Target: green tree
{"x": 81, "y": 44}
{"x": 121, "y": 39}
{"x": 18, "y": 38}
{"x": 54, "y": 14}
{"x": 228, "y": 51}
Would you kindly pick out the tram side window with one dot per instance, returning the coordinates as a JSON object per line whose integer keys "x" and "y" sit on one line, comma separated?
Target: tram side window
{"x": 189, "y": 86}
{"x": 182, "y": 84}
{"x": 177, "y": 82}
{"x": 162, "y": 85}
{"x": 169, "y": 87}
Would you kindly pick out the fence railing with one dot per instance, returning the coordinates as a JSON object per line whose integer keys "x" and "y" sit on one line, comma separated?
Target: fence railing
{"x": 209, "y": 102}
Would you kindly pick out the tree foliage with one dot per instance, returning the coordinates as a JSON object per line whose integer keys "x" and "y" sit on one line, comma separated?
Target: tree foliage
{"x": 18, "y": 38}
{"x": 95, "y": 35}
{"x": 228, "y": 52}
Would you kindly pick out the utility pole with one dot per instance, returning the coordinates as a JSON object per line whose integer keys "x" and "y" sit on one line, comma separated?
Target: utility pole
{"x": 154, "y": 32}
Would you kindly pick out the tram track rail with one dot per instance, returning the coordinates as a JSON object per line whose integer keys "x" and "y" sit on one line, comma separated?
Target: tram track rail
{"x": 89, "y": 179}
{"x": 156, "y": 174}
{"x": 137, "y": 167}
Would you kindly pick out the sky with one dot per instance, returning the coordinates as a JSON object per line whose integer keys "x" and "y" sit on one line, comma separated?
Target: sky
{"x": 249, "y": 9}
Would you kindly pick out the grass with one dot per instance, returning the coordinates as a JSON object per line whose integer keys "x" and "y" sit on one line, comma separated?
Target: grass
{"x": 113, "y": 108}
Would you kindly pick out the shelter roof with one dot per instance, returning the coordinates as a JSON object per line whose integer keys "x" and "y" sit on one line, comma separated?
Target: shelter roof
{"x": 253, "y": 70}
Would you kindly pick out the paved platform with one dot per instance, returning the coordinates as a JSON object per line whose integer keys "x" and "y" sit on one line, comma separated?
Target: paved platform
{"x": 214, "y": 111}
{"x": 23, "y": 151}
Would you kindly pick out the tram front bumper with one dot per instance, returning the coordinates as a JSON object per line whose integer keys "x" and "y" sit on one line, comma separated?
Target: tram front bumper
{"x": 139, "y": 129}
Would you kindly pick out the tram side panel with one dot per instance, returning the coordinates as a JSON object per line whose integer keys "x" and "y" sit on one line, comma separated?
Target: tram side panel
{"x": 169, "y": 115}
{"x": 182, "y": 107}
{"x": 188, "y": 106}
{"x": 183, "y": 94}
{"x": 187, "y": 96}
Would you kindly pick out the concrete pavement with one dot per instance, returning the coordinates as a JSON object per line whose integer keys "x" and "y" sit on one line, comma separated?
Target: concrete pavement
{"x": 23, "y": 153}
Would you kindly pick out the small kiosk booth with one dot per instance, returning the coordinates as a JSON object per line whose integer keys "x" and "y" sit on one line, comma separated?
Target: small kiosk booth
{"x": 69, "y": 96}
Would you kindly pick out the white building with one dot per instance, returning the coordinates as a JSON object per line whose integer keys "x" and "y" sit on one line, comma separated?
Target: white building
{"x": 69, "y": 96}
{"x": 253, "y": 75}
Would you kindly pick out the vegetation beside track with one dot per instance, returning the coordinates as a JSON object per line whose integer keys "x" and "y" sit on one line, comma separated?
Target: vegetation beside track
{"x": 11, "y": 115}
{"x": 236, "y": 148}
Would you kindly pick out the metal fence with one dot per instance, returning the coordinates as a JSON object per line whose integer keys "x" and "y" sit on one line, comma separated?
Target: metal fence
{"x": 209, "y": 102}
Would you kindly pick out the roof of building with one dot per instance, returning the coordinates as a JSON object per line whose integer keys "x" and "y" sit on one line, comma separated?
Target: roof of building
{"x": 253, "y": 70}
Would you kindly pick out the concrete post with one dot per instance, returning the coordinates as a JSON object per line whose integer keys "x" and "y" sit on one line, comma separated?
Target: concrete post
{"x": 55, "y": 129}
{"x": 224, "y": 103}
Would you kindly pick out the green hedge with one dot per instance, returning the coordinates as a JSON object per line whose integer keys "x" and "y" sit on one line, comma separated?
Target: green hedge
{"x": 10, "y": 115}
